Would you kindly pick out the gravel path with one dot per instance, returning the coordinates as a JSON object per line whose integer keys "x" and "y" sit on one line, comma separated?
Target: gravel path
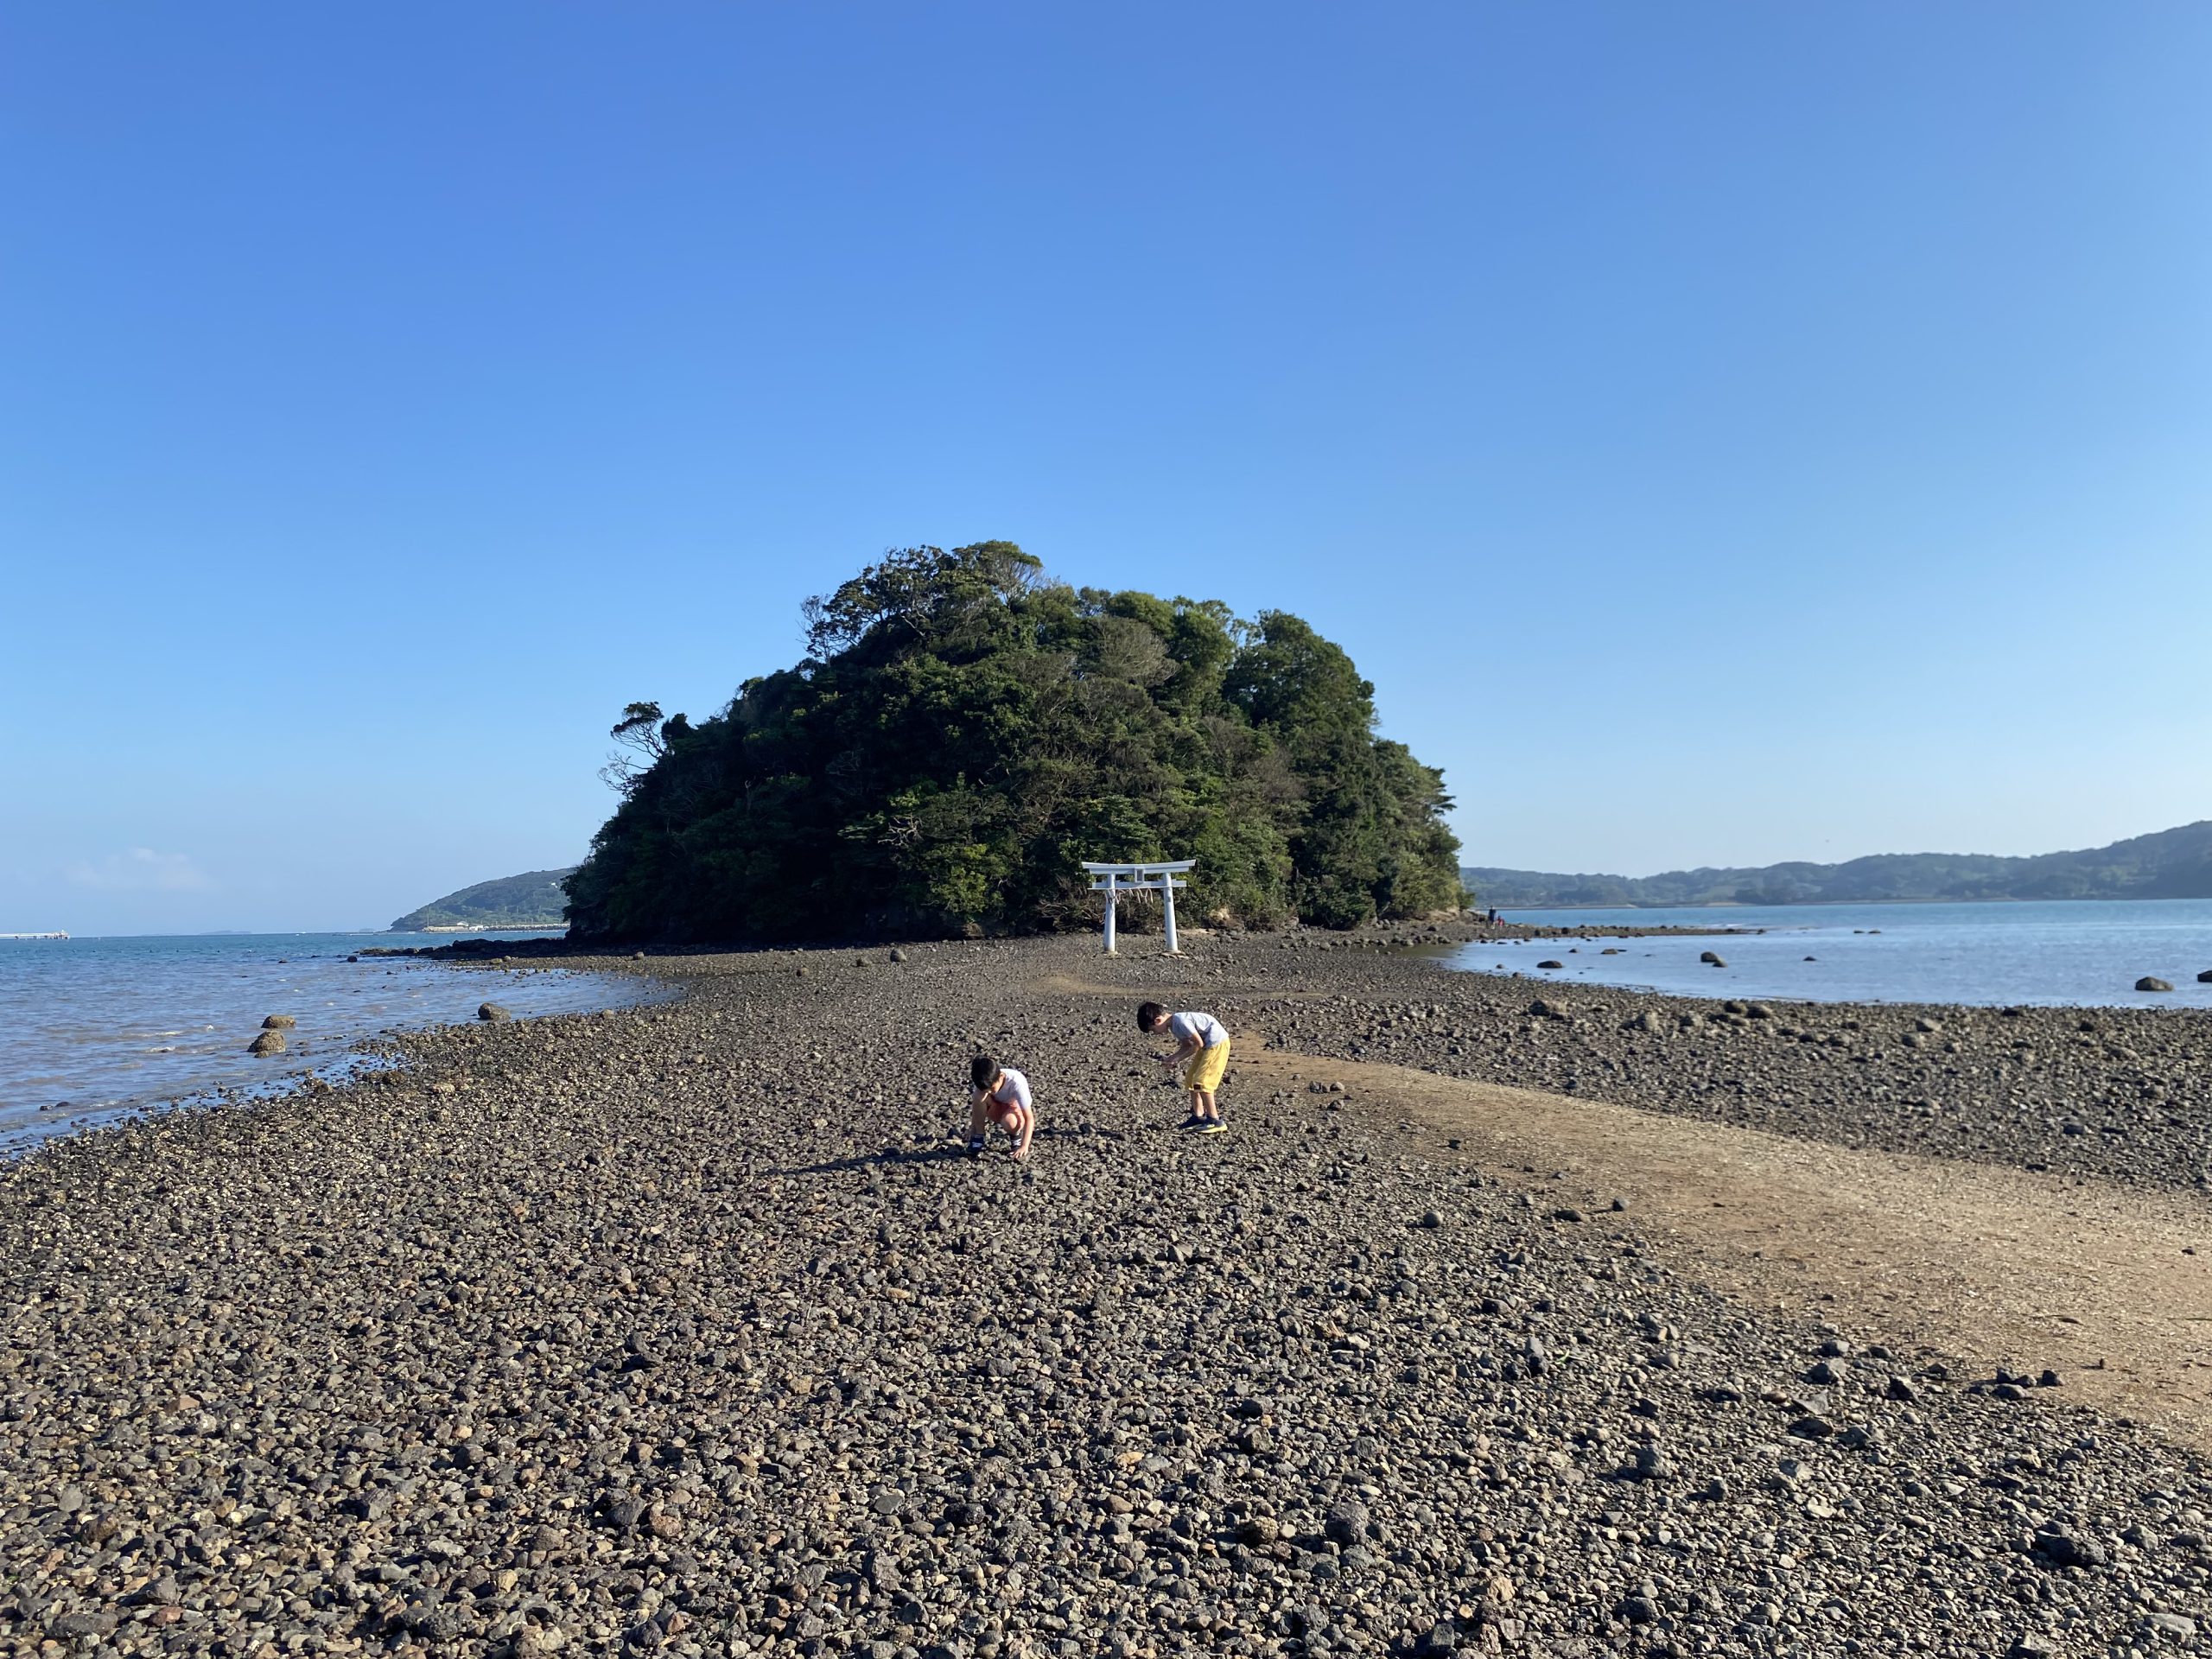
{"x": 680, "y": 1331}
{"x": 2109, "y": 1284}
{"x": 2121, "y": 1093}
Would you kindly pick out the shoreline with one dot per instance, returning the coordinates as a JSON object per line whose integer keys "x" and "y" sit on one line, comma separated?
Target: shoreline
{"x": 337, "y": 1024}
{"x": 678, "y": 1329}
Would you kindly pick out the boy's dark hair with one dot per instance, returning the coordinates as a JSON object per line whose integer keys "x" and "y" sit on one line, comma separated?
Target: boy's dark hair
{"x": 982, "y": 1071}
{"x": 1149, "y": 1014}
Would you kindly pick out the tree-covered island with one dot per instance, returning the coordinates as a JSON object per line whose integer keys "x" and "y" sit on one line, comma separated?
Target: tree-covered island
{"x": 964, "y": 732}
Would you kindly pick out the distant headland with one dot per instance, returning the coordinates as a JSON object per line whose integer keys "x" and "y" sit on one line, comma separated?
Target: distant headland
{"x": 2171, "y": 864}
{"x": 534, "y": 899}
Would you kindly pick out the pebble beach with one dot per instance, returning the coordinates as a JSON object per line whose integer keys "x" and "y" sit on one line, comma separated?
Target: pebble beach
{"x": 685, "y": 1329}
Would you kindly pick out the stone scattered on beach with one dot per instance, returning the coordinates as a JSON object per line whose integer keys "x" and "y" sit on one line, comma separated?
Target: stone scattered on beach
{"x": 1549, "y": 963}
{"x": 279, "y": 1022}
{"x": 492, "y": 1014}
{"x": 269, "y": 1042}
{"x": 2205, "y": 978}
{"x": 2150, "y": 982}
{"x": 567, "y": 1336}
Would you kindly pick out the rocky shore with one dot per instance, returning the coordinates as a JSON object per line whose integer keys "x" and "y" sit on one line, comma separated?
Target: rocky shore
{"x": 682, "y": 1330}
{"x": 2122, "y": 1093}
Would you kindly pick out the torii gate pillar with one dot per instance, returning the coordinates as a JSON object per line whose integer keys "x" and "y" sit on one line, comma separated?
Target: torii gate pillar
{"x": 1114, "y": 880}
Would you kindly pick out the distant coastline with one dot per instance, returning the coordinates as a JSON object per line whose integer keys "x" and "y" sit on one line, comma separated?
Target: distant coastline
{"x": 534, "y": 900}
{"x": 486, "y": 927}
{"x": 1804, "y": 904}
{"x": 2173, "y": 863}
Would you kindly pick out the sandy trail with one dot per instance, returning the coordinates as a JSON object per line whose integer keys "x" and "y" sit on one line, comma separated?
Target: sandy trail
{"x": 1985, "y": 1265}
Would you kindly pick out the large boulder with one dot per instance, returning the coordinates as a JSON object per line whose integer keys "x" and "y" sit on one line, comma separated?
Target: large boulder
{"x": 2205, "y": 978}
{"x": 269, "y": 1042}
{"x": 2148, "y": 983}
{"x": 279, "y": 1022}
{"x": 494, "y": 1014}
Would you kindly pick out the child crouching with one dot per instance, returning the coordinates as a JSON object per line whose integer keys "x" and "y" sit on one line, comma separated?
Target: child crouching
{"x": 1002, "y": 1097}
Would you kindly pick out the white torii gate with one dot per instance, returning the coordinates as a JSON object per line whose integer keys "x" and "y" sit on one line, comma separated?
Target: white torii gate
{"x": 1114, "y": 880}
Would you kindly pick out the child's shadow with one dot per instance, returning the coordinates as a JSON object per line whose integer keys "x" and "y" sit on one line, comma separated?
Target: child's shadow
{"x": 942, "y": 1152}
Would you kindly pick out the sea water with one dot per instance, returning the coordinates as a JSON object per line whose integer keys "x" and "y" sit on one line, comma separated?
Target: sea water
{"x": 2084, "y": 953}
{"x": 91, "y": 1029}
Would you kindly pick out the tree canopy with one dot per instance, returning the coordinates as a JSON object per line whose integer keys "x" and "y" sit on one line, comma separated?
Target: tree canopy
{"x": 963, "y": 733}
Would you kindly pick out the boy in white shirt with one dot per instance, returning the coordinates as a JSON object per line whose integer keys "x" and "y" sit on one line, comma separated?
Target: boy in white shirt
{"x": 1202, "y": 1049}
{"x": 1002, "y": 1097}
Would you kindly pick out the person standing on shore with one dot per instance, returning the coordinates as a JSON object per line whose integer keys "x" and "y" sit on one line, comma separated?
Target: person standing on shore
{"x": 1202, "y": 1049}
{"x": 1002, "y": 1097}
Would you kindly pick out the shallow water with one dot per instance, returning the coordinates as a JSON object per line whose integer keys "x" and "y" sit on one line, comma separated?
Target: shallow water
{"x": 91, "y": 1028}
{"x": 2085, "y": 954}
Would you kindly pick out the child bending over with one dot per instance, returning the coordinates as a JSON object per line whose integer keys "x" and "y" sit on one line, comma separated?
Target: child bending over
{"x": 1202, "y": 1049}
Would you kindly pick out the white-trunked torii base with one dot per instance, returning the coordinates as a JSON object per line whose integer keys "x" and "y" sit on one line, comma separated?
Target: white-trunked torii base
{"x": 1114, "y": 880}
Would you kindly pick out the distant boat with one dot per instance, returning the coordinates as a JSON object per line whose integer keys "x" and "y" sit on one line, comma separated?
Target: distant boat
{"x": 34, "y": 936}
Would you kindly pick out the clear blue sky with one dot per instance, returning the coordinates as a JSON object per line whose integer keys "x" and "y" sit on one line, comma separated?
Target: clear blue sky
{"x": 1723, "y": 432}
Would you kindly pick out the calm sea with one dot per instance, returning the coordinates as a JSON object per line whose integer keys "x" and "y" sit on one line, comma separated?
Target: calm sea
{"x": 93, "y": 1028}
{"x": 2081, "y": 954}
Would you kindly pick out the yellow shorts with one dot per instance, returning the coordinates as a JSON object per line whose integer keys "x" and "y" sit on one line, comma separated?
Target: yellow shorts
{"x": 1207, "y": 1067}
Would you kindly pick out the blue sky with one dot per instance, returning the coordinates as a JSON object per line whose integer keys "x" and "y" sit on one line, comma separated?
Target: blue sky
{"x": 1724, "y": 433}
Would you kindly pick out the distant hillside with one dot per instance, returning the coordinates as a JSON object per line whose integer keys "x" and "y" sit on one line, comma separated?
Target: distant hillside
{"x": 2172, "y": 864}
{"x": 534, "y": 900}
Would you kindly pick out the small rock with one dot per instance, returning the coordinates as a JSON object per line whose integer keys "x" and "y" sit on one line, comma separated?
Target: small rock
{"x": 1549, "y": 963}
{"x": 1346, "y": 1523}
{"x": 2151, "y": 983}
{"x": 279, "y": 1022}
{"x": 493, "y": 1013}
{"x": 269, "y": 1042}
{"x": 2065, "y": 1548}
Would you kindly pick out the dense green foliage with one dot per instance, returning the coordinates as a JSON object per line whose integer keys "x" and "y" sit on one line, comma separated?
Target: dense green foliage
{"x": 962, "y": 734}
{"x": 2172, "y": 864}
{"x": 533, "y": 900}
